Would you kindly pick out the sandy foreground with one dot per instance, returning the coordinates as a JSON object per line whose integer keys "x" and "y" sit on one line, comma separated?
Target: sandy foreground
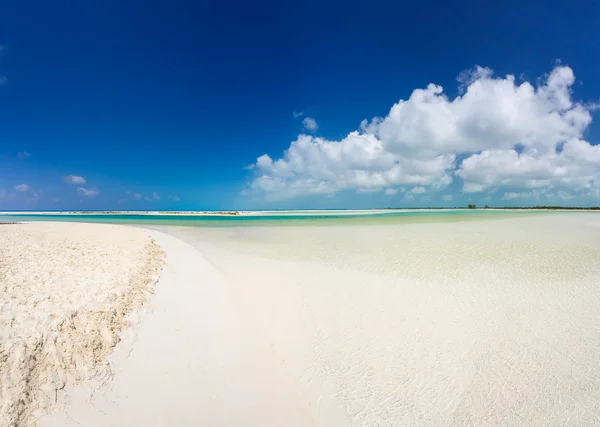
{"x": 66, "y": 293}
{"x": 463, "y": 323}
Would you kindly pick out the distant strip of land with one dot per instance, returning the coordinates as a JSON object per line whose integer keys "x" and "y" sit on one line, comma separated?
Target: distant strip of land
{"x": 304, "y": 211}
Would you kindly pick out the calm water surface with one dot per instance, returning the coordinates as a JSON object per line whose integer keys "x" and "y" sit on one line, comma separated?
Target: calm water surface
{"x": 288, "y": 219}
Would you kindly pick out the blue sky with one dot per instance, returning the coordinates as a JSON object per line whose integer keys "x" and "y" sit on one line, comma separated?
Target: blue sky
{"x": 180, "y": 99}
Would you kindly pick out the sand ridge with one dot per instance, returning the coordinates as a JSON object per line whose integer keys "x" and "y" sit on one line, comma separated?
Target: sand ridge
{"x": 66, "y": 293}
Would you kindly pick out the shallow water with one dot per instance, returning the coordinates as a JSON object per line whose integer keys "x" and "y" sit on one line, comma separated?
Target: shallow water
{"x": 439, "y": 323}
{"x": 288, "y": 218}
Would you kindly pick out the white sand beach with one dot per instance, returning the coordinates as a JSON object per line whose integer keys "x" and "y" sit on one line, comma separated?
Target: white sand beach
{"x": 66, "y": 293}
{"x": 462, "y": 323}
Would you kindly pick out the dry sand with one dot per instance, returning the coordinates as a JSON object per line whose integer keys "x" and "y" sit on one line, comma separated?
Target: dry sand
{"x": 490, "y": 322}
{"x": 66, "y": 292}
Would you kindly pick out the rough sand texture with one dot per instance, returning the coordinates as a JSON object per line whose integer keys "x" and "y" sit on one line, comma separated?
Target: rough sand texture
{"x": 65, "y": 293}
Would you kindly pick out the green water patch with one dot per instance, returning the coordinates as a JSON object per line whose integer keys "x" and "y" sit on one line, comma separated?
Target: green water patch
{"x": 299, "y": 219}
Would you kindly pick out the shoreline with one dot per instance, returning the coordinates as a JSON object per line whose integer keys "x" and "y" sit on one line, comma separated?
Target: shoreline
{"x": 198, "y": 375}
{"x": 299, "y": 213}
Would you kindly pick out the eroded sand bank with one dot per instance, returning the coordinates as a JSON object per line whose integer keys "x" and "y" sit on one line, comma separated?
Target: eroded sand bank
{"x": 66, "y": 291}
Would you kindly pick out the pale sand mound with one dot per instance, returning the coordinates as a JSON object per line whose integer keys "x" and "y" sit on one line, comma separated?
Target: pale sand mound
{"x": 65, "y": 293}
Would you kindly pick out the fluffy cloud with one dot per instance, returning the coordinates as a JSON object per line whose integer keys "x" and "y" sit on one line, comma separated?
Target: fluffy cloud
{"x": 23, "y": 188}
{"x": 310, "y": 124}
{"x": 88, "y": 192}
{"x": 22, "y": 155}
{"x": 74, "y": 179}
{"x": 498, "y": 134}
{"x": 576, "y": 166}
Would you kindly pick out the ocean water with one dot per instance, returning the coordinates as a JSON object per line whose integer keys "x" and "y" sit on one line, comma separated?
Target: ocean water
{"x": 287, "y": 218}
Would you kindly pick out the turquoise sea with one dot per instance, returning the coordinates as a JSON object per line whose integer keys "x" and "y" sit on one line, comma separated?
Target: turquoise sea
{"x": 288, "y": 218}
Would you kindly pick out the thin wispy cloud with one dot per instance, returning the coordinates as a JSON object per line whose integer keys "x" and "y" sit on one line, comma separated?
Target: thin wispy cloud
{"x": 74, "y": 179}
{"x": 310, "y": 124}
{"x": 155, "y": 196}
{"x": 22, "y": 155}
{"x": 417, "y": 190}
{"x": 87, "y": 192}
{"x": 174, "y": 198}
{"x": 3, "y": 79}
{"x": 136, "y": 196}
{"x": 29, "y": 192}
{"x": 298, "y": 114}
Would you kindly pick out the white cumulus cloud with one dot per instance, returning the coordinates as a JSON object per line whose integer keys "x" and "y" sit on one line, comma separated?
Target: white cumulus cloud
{"x": 498, "y": 134}
{"x": 88, "y": 192}
{"x": 23, "y": 188}
{"x": 74, "y": 179}
{"x": 310, "y": 124}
